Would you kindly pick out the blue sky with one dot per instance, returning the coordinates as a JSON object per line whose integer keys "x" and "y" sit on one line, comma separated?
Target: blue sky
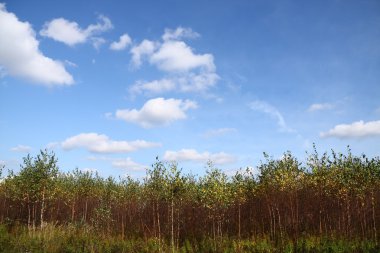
{"x": 110, "y": 85}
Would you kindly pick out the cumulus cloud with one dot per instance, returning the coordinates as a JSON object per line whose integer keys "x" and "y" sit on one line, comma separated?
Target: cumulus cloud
{"x": 177, "y": 56}
{"x": 123, "y": 42}
{"x": 320, "y": 107}
{"x": 145, "y": 48}
{"x": 20, "y": 54}
{"x": 21, "y": 149}
{"x": 195, "y": 156}
{"x": 358, "y": 129}
{"x": 100, "y": 143}
{"x": 219, "y": 132}
{"x": 272, "y": 111}
{"x": 184, "y": 69}
{"x": 179, "y": 33}
{"x": 157, "y": 112}
{"x": 70, "y": 33}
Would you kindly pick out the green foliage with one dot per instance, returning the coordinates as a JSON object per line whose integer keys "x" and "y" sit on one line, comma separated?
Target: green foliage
{"x": 329, "y": 204}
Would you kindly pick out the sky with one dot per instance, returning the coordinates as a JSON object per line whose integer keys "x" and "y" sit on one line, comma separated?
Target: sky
{"x": 111, "y": 85}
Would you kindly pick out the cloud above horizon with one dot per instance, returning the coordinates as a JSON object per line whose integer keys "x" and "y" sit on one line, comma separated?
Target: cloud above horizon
{"x": 358, "y": 129}
{"x": 195, "y": 156}
{"x": 20, "y": 55}
{"x": 21, "y": 149}
{"x": 71, "y": 34}
{"x": 100, "y": 143}
{"x": 123, "y": 42}
{"x": 184, "y": 70}
{"x": 273, "y": 112}
{"x": 320, "y": 107}
{"x": 157, "y": 112}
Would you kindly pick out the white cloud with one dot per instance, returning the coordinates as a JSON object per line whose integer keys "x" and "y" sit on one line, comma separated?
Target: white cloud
{"x": 157, "y": 112}
{"x": 153, "y": 87}
{"x": 145, "y": 48}
{"x": 272, "y": 111}
{"x": 53, "y": 145}
{"x": 320, "y": 107}
{"x": 185, "y": 70}
{"x": 123, "y": 42}
{"x": 100, "y": 143}
{"x": 97, "y": 42}
{"x": 21, "y": 148}
{"x": 179, "y": 33}
{"x": 70, "y": 33}
{"x": 64, "y": 31}
{"x": 122, "y": 163}
{"x": 195, "y": 156}
{"x": 219, "y": 132}
{"x": 358, "y": 129}
{"x": 90, "y": 170}
{"x": 192, "y": 82}
{"x": 20, "y": 55}
{"x": 185, "y": 82}
{"x": 177, "y": 56}
{"x": 128, "y": 164}
{"x": 71, "y": 64}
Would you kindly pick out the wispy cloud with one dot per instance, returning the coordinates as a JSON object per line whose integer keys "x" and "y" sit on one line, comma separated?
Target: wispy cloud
{"x": 157, "y": 112}
{"x": 20, "y": 54}
{"x": 358, "y": 129}
{"x": 272, "y": 111}
{"x": 121, "y": 163}
{"x": 219, "y": 132}
{"x": 179, "y": 33}
{"x": 194, "y": 156}
{"x": 128, "y": 164}
{"x": 320, "y": 107}
{"x": 100, "y": 143}
{"x": 21, "y": 149}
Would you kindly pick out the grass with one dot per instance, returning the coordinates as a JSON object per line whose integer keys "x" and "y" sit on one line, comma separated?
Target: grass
{"x": 74, "y": 239}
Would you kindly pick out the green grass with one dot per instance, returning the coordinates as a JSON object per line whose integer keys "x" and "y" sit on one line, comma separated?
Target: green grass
{"x": 73, "y": 239}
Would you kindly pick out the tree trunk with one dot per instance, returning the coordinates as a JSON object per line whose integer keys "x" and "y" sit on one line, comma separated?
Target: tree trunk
{"x": 42, "y": 209}
{"x": 374, "y": 217}
{"x": 172, "y": 221}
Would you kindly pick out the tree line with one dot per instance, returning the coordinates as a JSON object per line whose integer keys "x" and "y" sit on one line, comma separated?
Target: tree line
{"x": 331, "y": 195}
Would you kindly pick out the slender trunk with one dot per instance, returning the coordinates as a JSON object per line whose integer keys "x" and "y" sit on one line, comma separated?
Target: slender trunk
{"x": 177, "y": 228}
{"x": 279, "y": 225}
{"x": 172, "y": 221}
{"x": 154, "y": 220}
{"x": 29, "y": 217}
{"x": 122, "y": 226}
{"x": 239, "y": 220}
{"x": 42, "y": 208}
{"x": 159, "y": 227}
{"x": 73, "y": 211}
{"x": 85, "y": 211}
{"x": 34, "y": 216}
{"x": 374, "y": 217}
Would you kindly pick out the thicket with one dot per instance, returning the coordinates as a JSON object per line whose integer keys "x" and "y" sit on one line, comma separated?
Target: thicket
{"x": 331, "y": 203}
